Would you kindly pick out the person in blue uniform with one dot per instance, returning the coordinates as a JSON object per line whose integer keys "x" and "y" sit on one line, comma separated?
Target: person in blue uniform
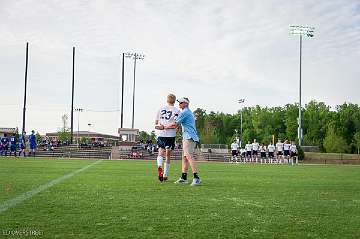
{"x": 22, "y": 144}
{"x": 5, "y": 145}
{"x": 13, "y": 145}
{"x": 32, "y": 142}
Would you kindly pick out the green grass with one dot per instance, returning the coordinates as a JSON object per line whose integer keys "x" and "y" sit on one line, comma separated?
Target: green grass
{"x": 123, "y": 199}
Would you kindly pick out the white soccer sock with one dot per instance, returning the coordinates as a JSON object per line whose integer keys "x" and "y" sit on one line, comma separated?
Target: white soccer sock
{"x": 166, "y": 169}
{"x": 160, "y": 160}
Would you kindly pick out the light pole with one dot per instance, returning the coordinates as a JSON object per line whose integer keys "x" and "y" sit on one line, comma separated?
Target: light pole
{"x": 307, "y": 32}
{"x": 26, "y": 73}
{"x": 135, "y": 56}
{"x": 122, "y": 92}
{"x": 72, "y": 97}
{"x": 241, "y": 119}
{"x": 78, "y": 110}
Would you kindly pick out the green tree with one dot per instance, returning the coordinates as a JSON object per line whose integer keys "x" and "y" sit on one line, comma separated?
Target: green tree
{"x": 357, "y": 141}
{"x": 315, "y": 123}
{"x": 38, "y": 138}
{"x": 144, "y": 136}
{"x": 334, "y": 143}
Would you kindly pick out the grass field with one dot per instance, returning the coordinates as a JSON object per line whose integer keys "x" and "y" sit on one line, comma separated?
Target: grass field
{"x": 123, "y": 199}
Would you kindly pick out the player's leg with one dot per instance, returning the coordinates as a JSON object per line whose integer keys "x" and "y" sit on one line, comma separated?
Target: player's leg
{"x": 167, "y": 163}
{"x": 184, "y": 164}
{"x": 159, "y": 160}
{"x": 169, "y": 145}
{"x": 189, "y": 156}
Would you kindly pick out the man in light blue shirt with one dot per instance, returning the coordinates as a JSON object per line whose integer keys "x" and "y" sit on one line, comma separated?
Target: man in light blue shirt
{"x": 186, "y": 120}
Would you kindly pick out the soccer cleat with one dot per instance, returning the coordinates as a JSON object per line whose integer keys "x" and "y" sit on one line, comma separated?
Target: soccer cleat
{"x": 196, "y": 182}
{"x": 160, "y": 174}
{"x": 181, "y": 181}
{"x": 165, "y": 178}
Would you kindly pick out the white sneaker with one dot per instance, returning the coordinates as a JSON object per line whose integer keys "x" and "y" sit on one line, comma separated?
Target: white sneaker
{"x": 181, "y": 181}
{"x": 196, "y": 182}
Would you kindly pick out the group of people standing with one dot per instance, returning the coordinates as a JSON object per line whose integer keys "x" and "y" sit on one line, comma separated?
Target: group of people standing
{"x": 16, "y": 145}
{"x": 254, "y": 152}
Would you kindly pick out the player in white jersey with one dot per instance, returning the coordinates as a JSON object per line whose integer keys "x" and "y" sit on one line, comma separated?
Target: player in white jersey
{"x": 279, "y": 150}
{"x": 234, "y": 151}
{"x": 262, "y": 153}
{"x": 165, "y": 137}
{"x": 287, "y": 150}
{"x": 255, "y": 150}
{"x": 248, "y": 148}
{"x": 271, "y": 150}
{"x": 293, "y": 151}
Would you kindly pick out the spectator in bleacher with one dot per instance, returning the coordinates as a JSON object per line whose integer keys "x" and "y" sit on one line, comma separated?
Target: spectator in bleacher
{"x": 32, "y": 142}
{"x": 5, "y": 145}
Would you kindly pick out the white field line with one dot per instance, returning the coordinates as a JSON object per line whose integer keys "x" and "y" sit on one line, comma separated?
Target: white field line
{"x": 22, "y": 197}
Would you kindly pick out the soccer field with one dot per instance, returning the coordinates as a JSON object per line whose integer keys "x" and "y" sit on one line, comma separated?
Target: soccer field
{"x": 48, "y": 198}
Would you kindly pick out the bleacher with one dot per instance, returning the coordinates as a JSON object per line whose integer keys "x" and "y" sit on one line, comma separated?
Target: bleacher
{"x": 73, "y": 151}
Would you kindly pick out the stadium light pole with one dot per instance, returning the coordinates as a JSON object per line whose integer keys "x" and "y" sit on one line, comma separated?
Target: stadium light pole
{"x": 241, "y": 101}
{"x": 72, "y": 97}
{"x": 301, "y": 31}
{"x": 135, "y": 56}
{"x": 122, "y": 92}
{"x": 25, "y": 89}
{"x": 78, "y": 110}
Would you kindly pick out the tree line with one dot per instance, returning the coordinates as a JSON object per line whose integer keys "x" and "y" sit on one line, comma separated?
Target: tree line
{"x": 336, "y": 130}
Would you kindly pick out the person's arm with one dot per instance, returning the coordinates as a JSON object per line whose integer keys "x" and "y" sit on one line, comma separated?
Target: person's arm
{"x": 177, "y": 123}
{"x": 157, "y": 125}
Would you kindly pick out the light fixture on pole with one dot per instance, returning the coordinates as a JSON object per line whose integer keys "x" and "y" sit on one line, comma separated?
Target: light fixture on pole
{"x": 241, "y": 101}
{"x": 306, "y": 32}
{"x": 136, "y": 57}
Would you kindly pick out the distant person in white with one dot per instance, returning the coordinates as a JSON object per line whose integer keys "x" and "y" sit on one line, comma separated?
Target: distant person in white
{"x": 165, "y": 137}
{"x": 255, "y": 149}
{"x": 293, "y": 150}
{"x": 263, "y": 153}
{"x": 279, "y": 149}
{"x": 287, "y": 149}
{"x": 248, "y": 148}
{"x": 271, "y": 150}
{"x": 234, "y": 151}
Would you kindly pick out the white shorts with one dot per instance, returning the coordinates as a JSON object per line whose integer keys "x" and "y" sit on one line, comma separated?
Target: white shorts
{"x": 188, "y": 147}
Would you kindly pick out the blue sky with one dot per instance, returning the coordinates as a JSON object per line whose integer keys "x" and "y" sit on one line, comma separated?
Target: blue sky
{"x": 213, "y": 52}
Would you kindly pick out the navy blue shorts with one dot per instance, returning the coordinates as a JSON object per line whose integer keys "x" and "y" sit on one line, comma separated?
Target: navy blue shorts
{"x": 13, "y": 148}
{"x": 166, "y": 142}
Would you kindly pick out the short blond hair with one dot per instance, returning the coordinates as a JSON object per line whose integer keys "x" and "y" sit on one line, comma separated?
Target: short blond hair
{"x": 171, "y": 98}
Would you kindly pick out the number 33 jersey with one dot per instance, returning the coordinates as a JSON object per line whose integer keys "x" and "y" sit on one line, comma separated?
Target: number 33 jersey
{"x": 166, "y": 116}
